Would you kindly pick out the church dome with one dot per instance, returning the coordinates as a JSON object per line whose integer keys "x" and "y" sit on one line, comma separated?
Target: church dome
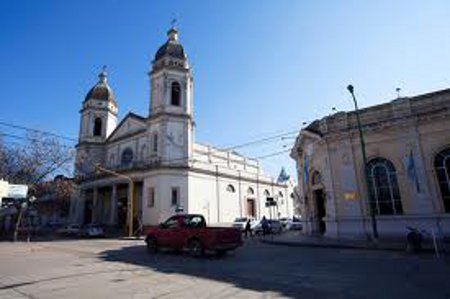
{"x": 172, "y": 47}
{"x": 101, "y": 91}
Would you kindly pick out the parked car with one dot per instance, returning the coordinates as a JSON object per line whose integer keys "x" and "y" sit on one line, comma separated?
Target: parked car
{"x": 93, "y": 230}
{"x": 275, "y": 226}
{"x": 189, "y": 232}
{"x": 241, "y": 222}
{"x": 54, "y": 223}
{"x": 284, "y": 221}
{"x": 294, "y": 224}
{"x": 71, "y": 230}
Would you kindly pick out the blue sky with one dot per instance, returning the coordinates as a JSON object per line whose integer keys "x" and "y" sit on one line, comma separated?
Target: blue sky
{"x": 260, "y": 67}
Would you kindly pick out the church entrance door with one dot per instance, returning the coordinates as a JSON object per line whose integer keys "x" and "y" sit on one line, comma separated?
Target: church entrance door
{"x": 122, "y": 206}
{"x": 320, "y": 210}
{"x": 87, "y": 217}
{"x": 251, "y": 211}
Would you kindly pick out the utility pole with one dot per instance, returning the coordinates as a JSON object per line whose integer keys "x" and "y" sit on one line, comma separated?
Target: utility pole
{"x": 23, "y": 206}
{"x": 350, "y": 88}
{"x": 98, "y": 167}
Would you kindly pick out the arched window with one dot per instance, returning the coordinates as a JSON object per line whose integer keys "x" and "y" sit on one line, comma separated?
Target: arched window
{"x": 280, "y": 197}
{"x": 250, "y": 191}
{"x": 266, "y": 193}
{"x": 155, "y": 143}
{"x": 98, "y": 126}
{"x": 127, "y": 156}
{"x": 230, "y": 188}
{"x": 383, "y": 185}
{"x": 143, "y": 152}
{"x": 442, "y": 168}
{"x": 316, "y": 178}
{"x": 176, "y": 94}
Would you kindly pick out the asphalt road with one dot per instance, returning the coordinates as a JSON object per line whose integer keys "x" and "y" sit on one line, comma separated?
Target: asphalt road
{"x": 123, "y": 269}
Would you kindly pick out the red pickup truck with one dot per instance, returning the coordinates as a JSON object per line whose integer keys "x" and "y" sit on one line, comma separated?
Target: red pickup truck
{"x": 189, "y": 232}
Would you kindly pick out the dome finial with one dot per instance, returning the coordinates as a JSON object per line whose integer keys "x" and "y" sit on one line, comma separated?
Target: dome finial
{"x": 103, "y": 75}
{"x": 172, "y": 34}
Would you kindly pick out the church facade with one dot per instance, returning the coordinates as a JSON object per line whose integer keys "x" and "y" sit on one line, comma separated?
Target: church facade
{"x": 407, "y": 143}
{"x": 158, "y": 153}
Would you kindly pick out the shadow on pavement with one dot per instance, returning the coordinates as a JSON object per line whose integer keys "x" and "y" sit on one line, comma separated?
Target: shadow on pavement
{"x": 240, "y": 268}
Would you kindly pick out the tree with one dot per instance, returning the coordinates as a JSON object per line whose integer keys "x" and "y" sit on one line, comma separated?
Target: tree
{"x": 36, "y": 160}
{"x": 32, "y": 163}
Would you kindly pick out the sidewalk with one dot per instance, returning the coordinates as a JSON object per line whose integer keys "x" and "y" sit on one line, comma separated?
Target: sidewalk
{"x": 297, "y": 239}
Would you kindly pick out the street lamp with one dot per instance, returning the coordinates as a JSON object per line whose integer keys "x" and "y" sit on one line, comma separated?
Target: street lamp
{"x": 130, "y": 180}
{"x": 364, "y": 156}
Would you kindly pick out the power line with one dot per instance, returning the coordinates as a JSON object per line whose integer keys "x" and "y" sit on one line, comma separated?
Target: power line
{"x": 272, "y": 138}
{"x": 272, "y": 154}
{"x": 29, "y": 139}
{"x": 281, "y": 135}
{"x": 3, "y": 123}
{"x": 232, "y": 147}
{"x": 261, "y": 140}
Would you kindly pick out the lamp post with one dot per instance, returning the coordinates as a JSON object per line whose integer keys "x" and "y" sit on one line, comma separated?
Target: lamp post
{"x": 130, "y": 180}
{"x": 364, "y": 156}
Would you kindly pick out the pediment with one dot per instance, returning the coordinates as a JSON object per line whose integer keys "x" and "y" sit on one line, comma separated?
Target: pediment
{"x": 304, "y": 141}
{"x": 130, "y": 125}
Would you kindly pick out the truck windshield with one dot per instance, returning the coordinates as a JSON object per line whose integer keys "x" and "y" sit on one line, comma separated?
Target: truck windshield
{"x": 195, "y": 221}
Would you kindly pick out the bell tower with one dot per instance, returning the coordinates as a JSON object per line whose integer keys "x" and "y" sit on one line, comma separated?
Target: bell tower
{"x": 97, "y": 121}
{"x": 171, "y": 102}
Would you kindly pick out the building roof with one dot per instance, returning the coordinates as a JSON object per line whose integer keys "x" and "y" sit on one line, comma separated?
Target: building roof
{"x": 101, "y": 91}
{"x": 172, "y": 47}
{"x": 399, "y": 108}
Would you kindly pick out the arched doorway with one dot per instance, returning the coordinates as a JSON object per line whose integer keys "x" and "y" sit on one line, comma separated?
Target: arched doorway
{"x": 251, "y": 207}
{"x": 442, "y": 169}
{"x": 319, "y": 202}
{"x": 88, "y": 206}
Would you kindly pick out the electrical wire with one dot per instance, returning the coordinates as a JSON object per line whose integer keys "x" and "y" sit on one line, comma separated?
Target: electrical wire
{"x": 272, "y": 154}
{"x": 3, "y": 123}
{"x": 30, "y": 139}
{"x": 261, "y": 140}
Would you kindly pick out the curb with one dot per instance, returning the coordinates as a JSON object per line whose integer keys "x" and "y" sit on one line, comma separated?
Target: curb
{"x": 129, "y": 238}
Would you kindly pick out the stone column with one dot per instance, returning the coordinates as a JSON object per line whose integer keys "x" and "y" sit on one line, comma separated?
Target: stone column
{"x": 130, "y": 197}
{"x": 113, "y": 208}
{"x": 94, "y": 205}
{"x": 79, "y": 202}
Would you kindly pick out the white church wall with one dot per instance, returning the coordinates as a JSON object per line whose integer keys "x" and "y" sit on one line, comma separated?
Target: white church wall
{"x": 203, "y": 196}
{"x": 230, "y": 201}
{"x": 163, "y": 182}
{"x": 175, "y": 142}
{"x": 111, "y": 123}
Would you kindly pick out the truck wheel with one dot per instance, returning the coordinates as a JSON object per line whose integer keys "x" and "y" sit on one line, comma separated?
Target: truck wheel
{"x": 195, "y": 248}
{"x": 152, "y": 246}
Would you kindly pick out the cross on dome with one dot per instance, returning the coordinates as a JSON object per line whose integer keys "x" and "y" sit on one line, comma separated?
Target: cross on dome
{"x": 103, "y": 75}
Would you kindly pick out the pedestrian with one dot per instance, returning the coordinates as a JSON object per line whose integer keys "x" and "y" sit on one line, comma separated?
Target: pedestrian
{"x": 265, "y": 226}
{"x": 248, "y": 229}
